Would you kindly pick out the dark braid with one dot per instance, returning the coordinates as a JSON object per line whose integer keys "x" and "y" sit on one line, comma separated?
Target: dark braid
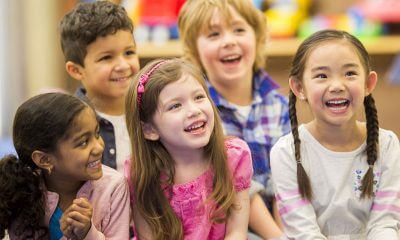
{"x": 372, "y": 145}
{"x": 302, "y": 179}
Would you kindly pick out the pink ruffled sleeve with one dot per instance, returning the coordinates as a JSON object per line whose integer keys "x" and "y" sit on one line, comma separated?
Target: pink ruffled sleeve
{"x": 240, "y": 163}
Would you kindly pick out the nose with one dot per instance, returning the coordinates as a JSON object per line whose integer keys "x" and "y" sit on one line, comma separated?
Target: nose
{"x": 121, "y": 64}
{"x": 337, "y": 85}
{"x": 228, "y": 40}
{"x": 98, "y": 147}
{"x": 193, "y": 110}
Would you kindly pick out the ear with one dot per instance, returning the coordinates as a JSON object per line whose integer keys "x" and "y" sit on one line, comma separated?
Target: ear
{"x": 297, "y": 88}
{"x": 150, "y": 133}
{"x": 42, "y": 159}
{"x": 74, "y": 70}
{"x": 370, "y": 85}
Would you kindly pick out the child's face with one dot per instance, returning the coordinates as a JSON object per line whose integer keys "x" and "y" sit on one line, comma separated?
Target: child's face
{"x": 110, "y": 64}
{"x": 335, "y": 82}
{"x": 184, "y": 119}
{"x": 227, "y": 50}
{"x": 78, "y": 157}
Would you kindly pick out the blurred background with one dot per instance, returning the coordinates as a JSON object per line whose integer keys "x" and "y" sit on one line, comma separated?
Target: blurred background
{"x": 31, "y": 60}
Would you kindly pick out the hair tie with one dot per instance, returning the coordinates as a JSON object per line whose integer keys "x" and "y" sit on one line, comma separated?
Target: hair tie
{"x": 144, "y": 78}
{"x": 371, "y": 166}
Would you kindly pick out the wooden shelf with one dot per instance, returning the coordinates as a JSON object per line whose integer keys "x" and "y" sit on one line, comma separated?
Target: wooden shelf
{"x": 386, "y": 45}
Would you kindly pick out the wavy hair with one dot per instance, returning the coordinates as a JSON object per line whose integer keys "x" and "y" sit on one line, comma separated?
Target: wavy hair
{"x": 151, "y": 159}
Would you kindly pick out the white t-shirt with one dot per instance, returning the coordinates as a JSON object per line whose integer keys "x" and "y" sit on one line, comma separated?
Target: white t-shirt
{"x": 242, "y": 113}
{"x": 122, "y": 141}
{"x": 336, "y": 210}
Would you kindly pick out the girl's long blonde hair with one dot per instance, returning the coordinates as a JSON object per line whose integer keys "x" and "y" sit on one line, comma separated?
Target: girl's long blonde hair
{"x": 151, "y": 160}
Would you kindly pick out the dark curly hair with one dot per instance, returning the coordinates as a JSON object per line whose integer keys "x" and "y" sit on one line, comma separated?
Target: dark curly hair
{"x": 39, "y": 124}
{"x": 88, "y": 21}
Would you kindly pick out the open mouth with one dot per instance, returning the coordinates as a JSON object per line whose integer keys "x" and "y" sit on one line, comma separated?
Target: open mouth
{"x": 120, "y": 79}
{"x": 337, "y": 104}
{"x": 94, "y": 164}
{"x": 231, "y": 59}
{"x": 196, "y": 127}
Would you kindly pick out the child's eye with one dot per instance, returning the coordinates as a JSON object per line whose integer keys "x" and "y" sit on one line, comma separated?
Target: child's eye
{"x": 200, "y": 96}
{"x": 105, "y": 58}
{"x": 239, "y": 30}
{"x": 174, "y": 106}
{"x": 213, "y": 34}
{"x": 320, "y": 76}
{"x": 97, "y": 134}
{"x": 350, "y": 73}
{"x": 130, "y": 52}
{"x": 83, "y": 143}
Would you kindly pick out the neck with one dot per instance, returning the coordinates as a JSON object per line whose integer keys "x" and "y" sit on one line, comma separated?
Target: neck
{"x": 109, "y": 106}
{"x": 189, "y": 165}
{"x": 338, "y": 138}
{"x": 239, "y": 92}
{"x": 63, "y": 187}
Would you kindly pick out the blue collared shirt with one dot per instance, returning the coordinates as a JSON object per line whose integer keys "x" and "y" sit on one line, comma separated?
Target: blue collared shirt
{"x": 268, "y": 120}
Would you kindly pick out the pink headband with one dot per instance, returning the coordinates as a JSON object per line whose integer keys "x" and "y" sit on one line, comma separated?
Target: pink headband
{"x": 144, "y": 78}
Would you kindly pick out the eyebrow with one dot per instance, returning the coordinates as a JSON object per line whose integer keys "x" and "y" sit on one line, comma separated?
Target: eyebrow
{"x": 84, "y": 134}
{"x": 199, "y": 90}
{"x": 347, "y": 65}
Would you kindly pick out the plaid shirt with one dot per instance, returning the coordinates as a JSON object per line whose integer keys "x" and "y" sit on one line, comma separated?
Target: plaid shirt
{"x": 268, "y": 120}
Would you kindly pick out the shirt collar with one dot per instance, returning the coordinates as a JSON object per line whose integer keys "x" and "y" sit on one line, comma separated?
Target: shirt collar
{"x": 262, "y": 85}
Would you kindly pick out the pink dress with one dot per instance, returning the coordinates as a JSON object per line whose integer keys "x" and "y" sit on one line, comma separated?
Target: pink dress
{"x": 187, "y": 199}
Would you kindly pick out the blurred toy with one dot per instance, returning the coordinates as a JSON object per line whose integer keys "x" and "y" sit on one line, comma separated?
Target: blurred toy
{"x": 352, "y": 21}
{"x": 380, "y": 10}
{"x": 155, "y": 20}
{"x": 284, "y": 16}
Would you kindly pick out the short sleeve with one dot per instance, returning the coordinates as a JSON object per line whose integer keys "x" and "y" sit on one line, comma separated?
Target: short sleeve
{"x": 240, "y": 163}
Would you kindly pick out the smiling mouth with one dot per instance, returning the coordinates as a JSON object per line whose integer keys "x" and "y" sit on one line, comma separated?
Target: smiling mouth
{"x": 120, "y": 79}
{"x": 231, "y": 59}
{"x": 338, "y": 105}
{"x": 94, "y": 164}
{"x": 196, "y": 127}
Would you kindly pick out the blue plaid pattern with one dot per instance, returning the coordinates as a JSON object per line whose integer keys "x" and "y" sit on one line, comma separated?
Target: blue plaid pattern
{"x": 268, "y": 120}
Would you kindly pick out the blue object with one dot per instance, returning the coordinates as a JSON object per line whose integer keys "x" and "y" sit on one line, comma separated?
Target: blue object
{"x": 6, "y": 147}
{"x": 54, "y": 226}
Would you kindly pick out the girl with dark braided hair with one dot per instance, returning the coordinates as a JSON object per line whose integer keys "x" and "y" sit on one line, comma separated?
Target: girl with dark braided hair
{"x": 336, "y": 177}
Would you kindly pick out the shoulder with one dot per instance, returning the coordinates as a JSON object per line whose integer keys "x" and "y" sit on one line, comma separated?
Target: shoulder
{"x": 239, "y": 162}
{"x": 238, "y": 153}
{"x": 236, "y": 147}
{"x": 387, "y": 138}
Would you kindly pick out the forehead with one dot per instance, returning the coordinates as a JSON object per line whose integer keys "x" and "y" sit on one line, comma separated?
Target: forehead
{"x": 119, "y": 39}
{"x": 185, "y": 85}
{"x": 225, "y": 17}
{"x": 84, "y": 121}
{"x": 340, "y": 50}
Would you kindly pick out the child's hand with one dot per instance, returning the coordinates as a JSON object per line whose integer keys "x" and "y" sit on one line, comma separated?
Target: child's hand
{"x": 76, "y": 221}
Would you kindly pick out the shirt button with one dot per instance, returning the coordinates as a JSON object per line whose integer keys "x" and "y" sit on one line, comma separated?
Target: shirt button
{"x": 112, "y": 151}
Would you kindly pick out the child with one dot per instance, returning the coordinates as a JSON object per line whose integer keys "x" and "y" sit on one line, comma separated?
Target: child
{"x": 227, "y": 38}
{"x": 56, "y": 187}
{"x": 100, "y": 51}
{"x": 336, "y": 177}
{"x": 188, "y": 181}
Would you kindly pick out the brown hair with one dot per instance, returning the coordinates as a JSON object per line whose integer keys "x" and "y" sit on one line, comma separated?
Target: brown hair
{"x": 196, "y": 15}
{"x": 151, "y": 159}
{"x": 297, "y": 70}
{"x": 88, "y": 21}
